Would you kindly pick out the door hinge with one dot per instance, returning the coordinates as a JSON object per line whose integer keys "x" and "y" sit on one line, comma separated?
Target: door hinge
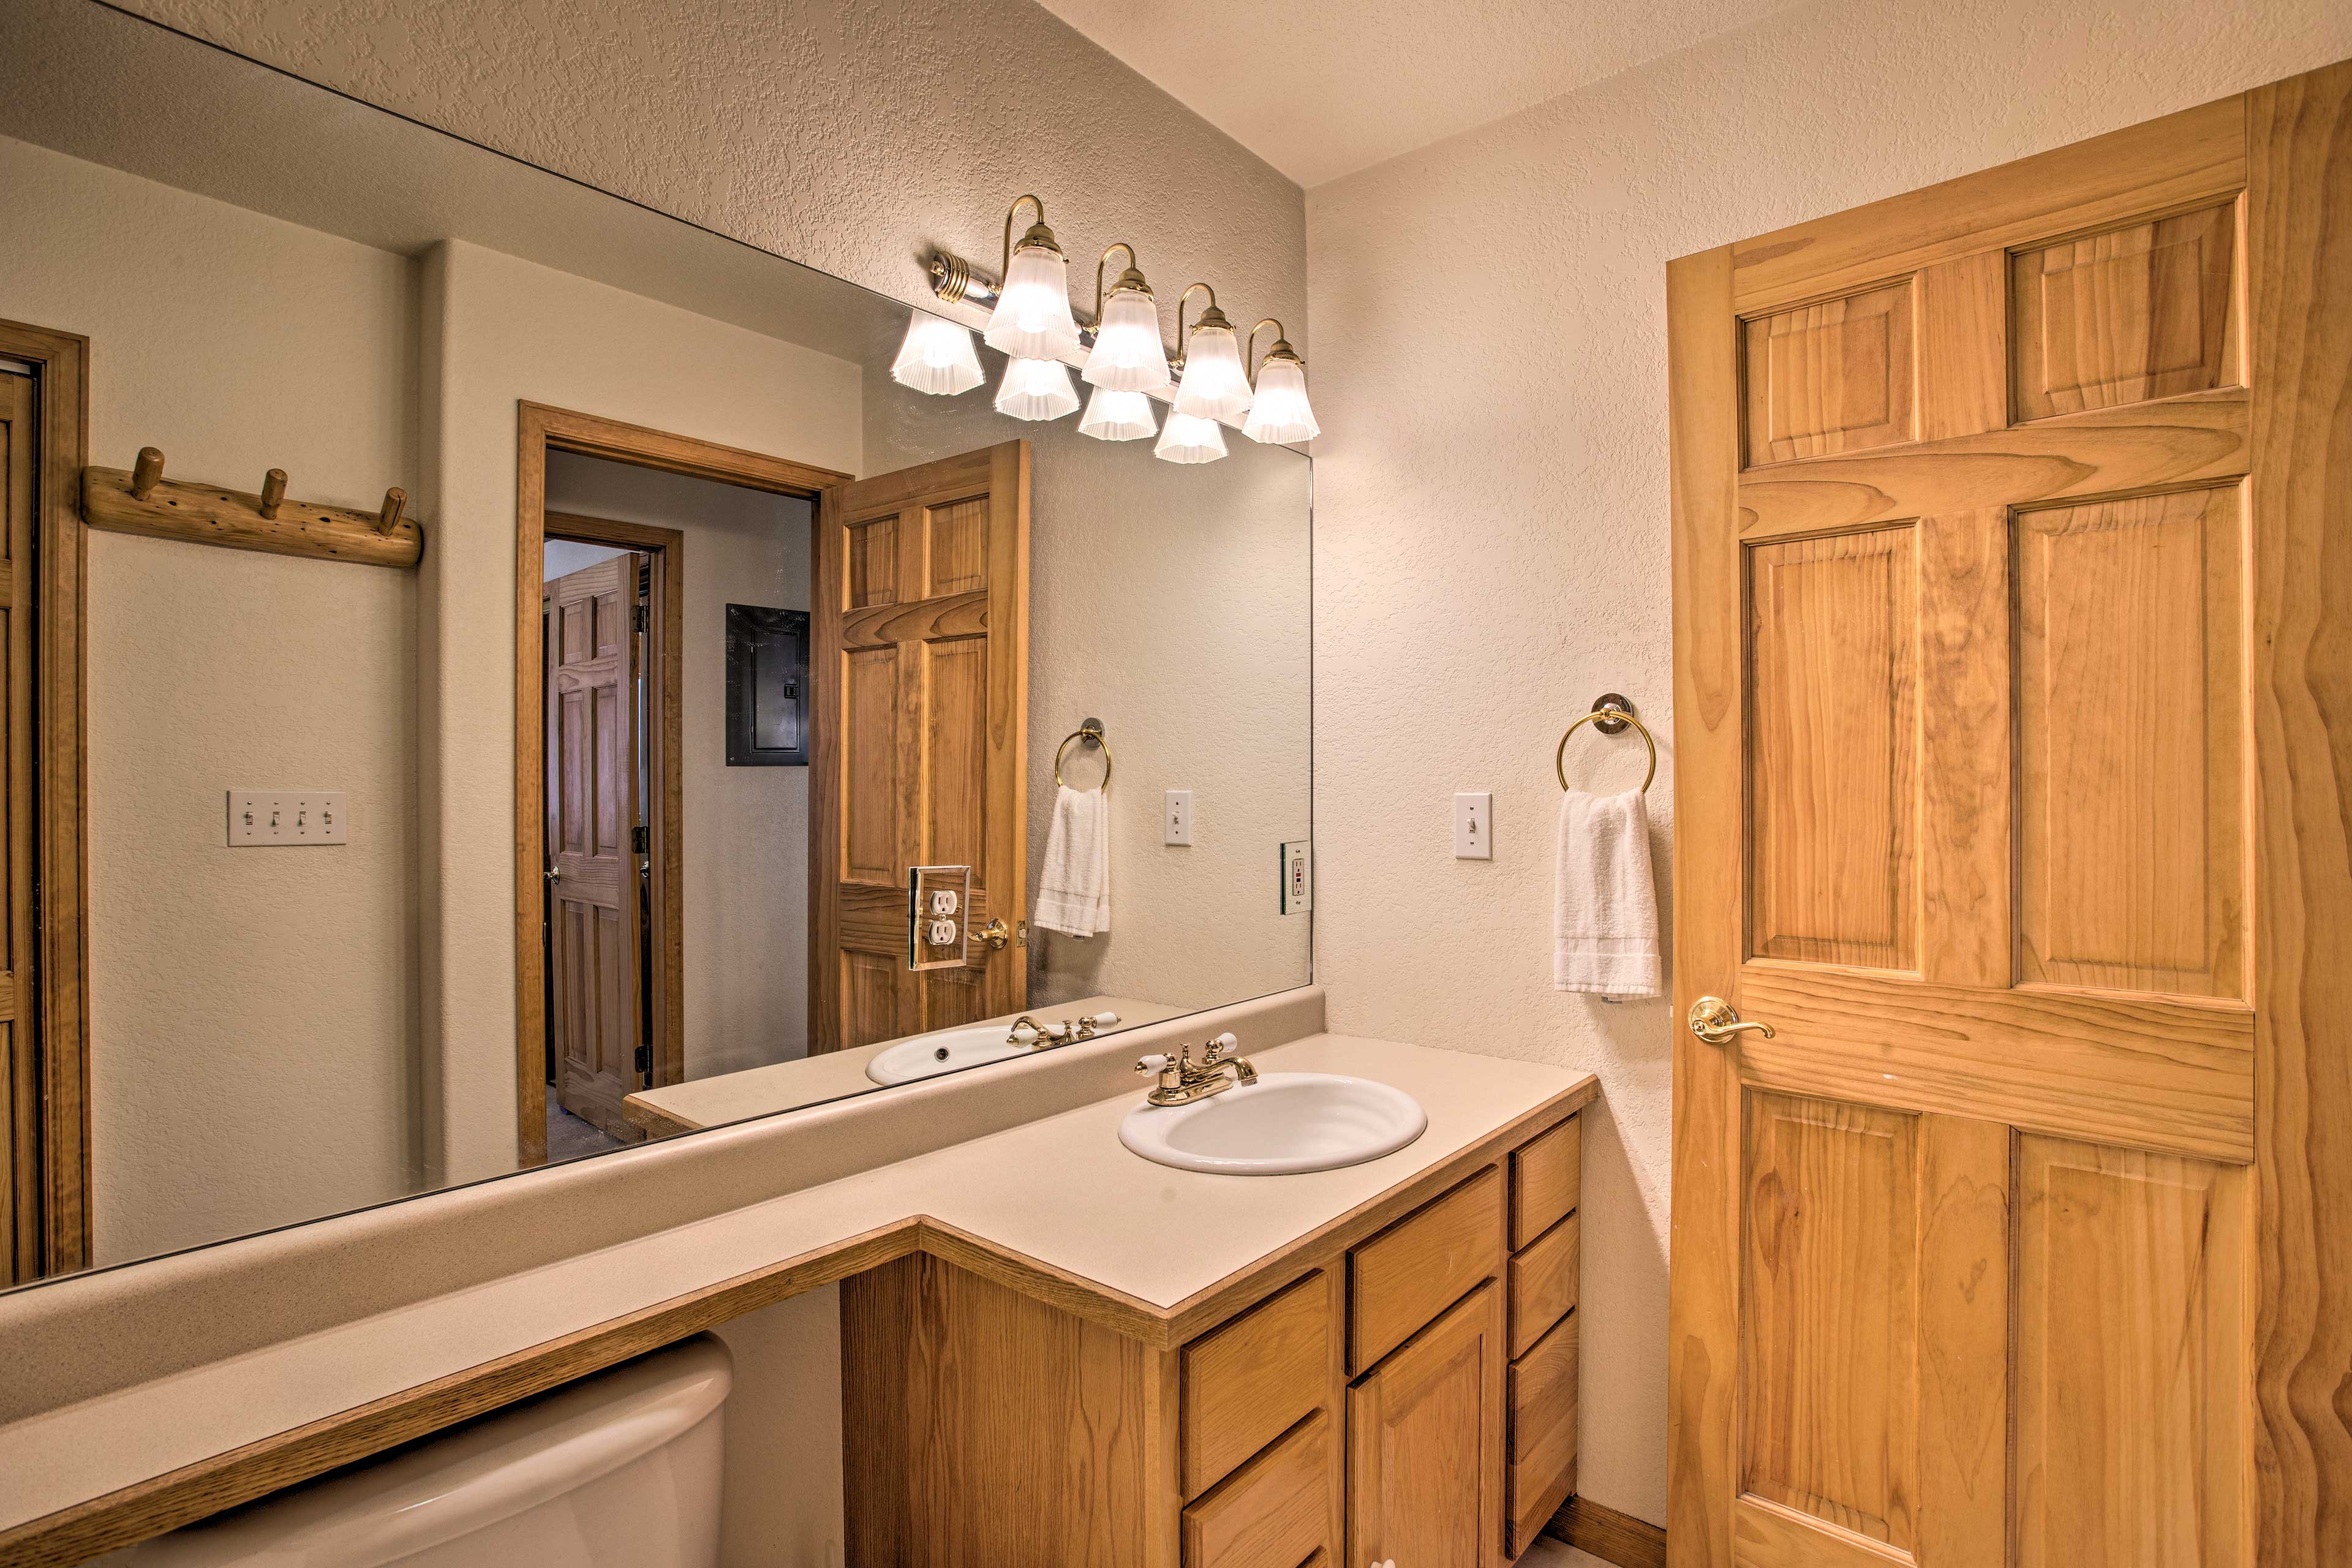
{"x": 644, "y": 1061}
{"x": 640, "y": 842}
{"x": 641, "y": 617}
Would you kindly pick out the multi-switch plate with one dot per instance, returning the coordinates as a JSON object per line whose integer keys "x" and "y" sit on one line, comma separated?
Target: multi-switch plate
{"x": 261, "y": 818}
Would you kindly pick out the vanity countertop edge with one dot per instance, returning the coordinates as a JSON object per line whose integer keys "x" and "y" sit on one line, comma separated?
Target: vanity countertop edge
{"x": 1055, "y": 1207}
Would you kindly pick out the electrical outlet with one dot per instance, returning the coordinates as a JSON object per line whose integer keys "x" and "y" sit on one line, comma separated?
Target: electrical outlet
{"x": 943, "y": 933}
{"x": 944, "y": 901}
{"x": 1474, "y": 825}
{"x": 1178, "y": 818}
{"x": 1297, "y": 877}
{"x": 280, "y": 818}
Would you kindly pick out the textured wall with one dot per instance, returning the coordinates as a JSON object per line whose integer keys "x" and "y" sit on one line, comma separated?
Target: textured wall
{"x": 250, "y": 1010}
{"x": 852, "y": 137}
{"x": 1492, "y": 517}
{"x": 746, "y": 896}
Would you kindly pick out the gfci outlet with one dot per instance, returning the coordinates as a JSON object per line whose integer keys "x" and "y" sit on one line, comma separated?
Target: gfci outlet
{"x": 278, "y": 818}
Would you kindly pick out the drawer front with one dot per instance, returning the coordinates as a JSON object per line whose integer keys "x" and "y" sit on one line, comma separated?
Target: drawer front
{"x": 1407, "y": 1275}
{"x": 1543, "y": 1433}
{"x": 1543, "y": 1284}
{"x": 1544, "y": 1176}
{"x": 1252, "y": 1380}
{"x": 1274, "y": 1513}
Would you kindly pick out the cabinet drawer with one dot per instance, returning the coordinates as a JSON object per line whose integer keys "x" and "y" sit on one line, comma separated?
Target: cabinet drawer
{"x": 1543, "y": 1433}
{"x": 1544, "y": 1176}
{"x": 1249, "y": 1381}
{"x": 1274, "y": 1513}
{"x": 1543, "y": 1284}
{"x": 1421, "y": 1265}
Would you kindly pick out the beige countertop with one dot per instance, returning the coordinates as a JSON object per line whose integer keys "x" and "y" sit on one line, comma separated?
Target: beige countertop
{"x": 1061, "y": 1191}
{"x": 811, "y": 1080}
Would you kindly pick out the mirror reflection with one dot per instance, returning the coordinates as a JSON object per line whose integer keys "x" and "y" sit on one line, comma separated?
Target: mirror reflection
{"x": 551, "y": 687}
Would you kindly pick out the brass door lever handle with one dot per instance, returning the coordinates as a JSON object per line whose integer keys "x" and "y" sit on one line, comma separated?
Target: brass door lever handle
{"x": 1713, "y": 1020}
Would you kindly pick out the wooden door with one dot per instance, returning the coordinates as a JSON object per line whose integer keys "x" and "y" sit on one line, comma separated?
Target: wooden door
{"x": 921, "y": 645}
{"x": 1425, "y": 1445}
{"x": 2010, "y": 588}
{"x": 593, "y": 791}
{"x": 23, "y": 1182}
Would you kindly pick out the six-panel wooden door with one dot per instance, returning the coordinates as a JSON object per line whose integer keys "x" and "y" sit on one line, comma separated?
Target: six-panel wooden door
{"x": 595, "y": 867}
{"x": 1977, "y": 542}
{"x": 921, "y": 634}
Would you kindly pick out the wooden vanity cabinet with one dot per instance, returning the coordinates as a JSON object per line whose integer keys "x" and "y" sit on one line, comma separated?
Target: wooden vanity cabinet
{"x": 1401, "y": 1387}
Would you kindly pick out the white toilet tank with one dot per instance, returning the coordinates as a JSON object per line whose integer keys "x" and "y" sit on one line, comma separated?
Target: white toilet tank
{"x": 618, "y": 1470}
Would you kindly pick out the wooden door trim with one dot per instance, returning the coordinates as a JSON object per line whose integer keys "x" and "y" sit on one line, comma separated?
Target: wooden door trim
{"x": 539, "y": 430}
{"x": 61, "y": 795}
{"x": 665, "y": 640}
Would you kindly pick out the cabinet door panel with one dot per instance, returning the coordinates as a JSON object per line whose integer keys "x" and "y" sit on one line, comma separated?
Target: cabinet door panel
{"x": 1425, "y": 1445}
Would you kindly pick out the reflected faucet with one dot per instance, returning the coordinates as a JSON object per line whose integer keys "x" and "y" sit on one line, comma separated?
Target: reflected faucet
{"x": 1028, "y": 1031}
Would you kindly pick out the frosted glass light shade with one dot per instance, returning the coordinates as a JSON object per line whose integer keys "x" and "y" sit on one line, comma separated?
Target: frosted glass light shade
{"x": 1128, "y": 355}
{"x": 1188, "y": 439}
{"x": 1281, "y": 412}
{"x": 1032, "y": 318}
{"x": 1114, "y": 415}
{"x": 1214, "y": 387}
{"x": 1036, "y": 389}
{"x": 937, "y": 357}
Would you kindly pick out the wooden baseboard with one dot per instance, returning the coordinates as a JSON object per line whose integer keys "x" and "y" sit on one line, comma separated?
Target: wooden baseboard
{"x": 1612, "y": 1537}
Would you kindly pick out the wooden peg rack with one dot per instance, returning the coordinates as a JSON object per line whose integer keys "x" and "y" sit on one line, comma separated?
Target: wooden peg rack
{"x": 142, "y": 500}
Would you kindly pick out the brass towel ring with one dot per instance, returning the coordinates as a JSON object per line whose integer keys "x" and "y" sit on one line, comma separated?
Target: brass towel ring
{"x": 1089, "y": 730}
{"x": 1612, "y": 711}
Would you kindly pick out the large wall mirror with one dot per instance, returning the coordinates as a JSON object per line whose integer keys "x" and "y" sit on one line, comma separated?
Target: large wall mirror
{"x": 715, "y": 727}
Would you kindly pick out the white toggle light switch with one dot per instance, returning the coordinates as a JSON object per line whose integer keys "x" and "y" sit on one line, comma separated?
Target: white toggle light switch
{"x": 259, "y": 818}
{"x": 1474, "y": 826}
{"x": 1179, "y": 816}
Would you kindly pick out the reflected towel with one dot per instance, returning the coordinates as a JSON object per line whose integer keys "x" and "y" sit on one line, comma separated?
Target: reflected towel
{"x": 1605, "y": 914}
{"x": 1074, "y": 891}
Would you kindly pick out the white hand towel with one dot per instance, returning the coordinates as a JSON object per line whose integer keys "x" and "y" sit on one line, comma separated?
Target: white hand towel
{"x": 1605, "y": 916}
{"x": 1074, "y": 891}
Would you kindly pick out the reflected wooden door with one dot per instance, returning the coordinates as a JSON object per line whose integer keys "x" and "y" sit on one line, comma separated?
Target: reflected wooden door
{"x": 920, "y": 642}
{"x": 1985, "y": 499}
{"x": 593, "y": 787}
{"x": 25, "y": 1226}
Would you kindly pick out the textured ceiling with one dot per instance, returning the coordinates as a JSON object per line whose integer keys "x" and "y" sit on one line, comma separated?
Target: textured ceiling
{"x": 1321, "y": 89}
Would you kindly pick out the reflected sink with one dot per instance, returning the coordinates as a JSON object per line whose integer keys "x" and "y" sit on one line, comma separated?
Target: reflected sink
{"x": 944, "y": 1050}
{"x": 1284, "y": 1123}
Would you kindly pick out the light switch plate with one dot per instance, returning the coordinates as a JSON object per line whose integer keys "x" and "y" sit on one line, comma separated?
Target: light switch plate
{"x": 1297, "y": 877}
{"x": 1178, "y": 818}
{"x": 1474, "y": 825}
{"x": 284, "y": 818}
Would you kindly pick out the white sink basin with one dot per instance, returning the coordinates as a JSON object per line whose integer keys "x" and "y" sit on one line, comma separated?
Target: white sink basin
{"x": 1284, "y": 1123}
{"x": 945, "y": 1051}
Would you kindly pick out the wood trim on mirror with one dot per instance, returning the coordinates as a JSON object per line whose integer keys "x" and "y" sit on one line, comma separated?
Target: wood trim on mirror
{"x": 541, "y": 429}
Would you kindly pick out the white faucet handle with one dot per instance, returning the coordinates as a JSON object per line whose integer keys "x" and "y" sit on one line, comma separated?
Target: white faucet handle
{"x": 1226, "y": 1042}
{"x": 1099, "y": 1019}
{"x": 1156, "y": 1062}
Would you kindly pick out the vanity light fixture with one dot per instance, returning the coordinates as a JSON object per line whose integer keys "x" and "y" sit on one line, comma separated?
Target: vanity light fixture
{"x": 1215, "y": 385}
{"x": 1036, "y": 389}
{"x": 1281, "y": 413}
{"x": 1114, "y": 415}
{"x": 1033, "y": 319}
{"x": 1128, "y": 355}
{"x": 1190, "y": 440}
{"x": 937, "y": 357}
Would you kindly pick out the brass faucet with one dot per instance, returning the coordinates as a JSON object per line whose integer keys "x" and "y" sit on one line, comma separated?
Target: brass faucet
{"x": 1041, "y": 1035}
{"x": 1182, "y": 1080}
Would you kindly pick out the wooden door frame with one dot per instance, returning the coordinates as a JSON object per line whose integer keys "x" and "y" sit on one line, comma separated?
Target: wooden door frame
{"x": 665, "y": 813}
{"x": 60, "y": 1176}
{"x": 541, "y": 429}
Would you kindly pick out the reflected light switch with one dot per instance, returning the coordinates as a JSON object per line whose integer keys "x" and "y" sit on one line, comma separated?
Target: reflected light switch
{"x": 282, "y": 818}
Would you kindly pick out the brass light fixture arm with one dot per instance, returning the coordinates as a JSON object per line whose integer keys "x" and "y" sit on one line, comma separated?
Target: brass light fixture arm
{"x": 1134, "y": 265}
{"x": 1176, "y": 359}
{"x": 1005, "y": 270}
{"x": 1250, "y": 362}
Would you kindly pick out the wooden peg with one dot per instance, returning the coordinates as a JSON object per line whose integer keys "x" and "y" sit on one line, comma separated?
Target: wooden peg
{"x": 148, "y": 474}
{"x": 273, "y": 491}
{"x": 394, "y": 500}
